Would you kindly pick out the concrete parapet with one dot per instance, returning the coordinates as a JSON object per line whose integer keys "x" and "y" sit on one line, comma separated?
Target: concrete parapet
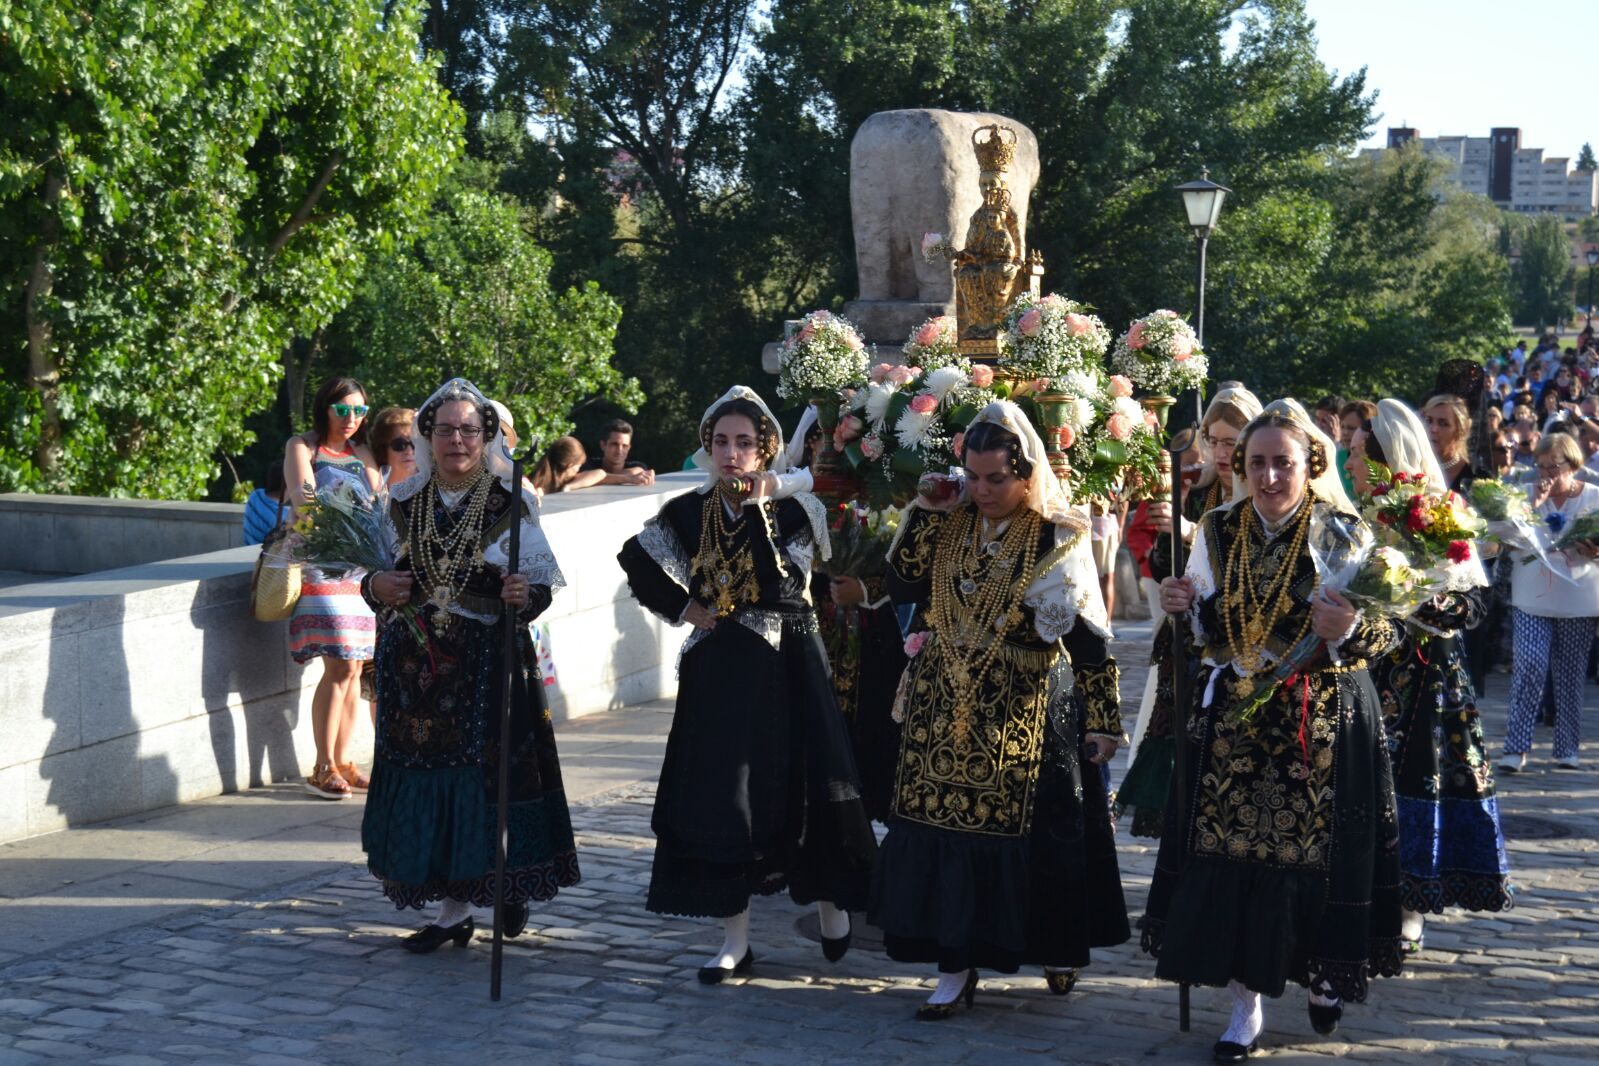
{"x": 44, "y": 534}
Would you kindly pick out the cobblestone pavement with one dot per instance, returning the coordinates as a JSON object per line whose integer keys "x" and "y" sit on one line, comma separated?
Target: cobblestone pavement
{"x": 314, "y": 974}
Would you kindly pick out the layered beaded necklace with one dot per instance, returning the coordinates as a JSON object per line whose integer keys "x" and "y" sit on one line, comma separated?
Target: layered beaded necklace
{"x": 1250, "y": 613}
{"x": 977, "y": 599}
{"x": 729, "y": 581}
{"x": 443, "y": 560}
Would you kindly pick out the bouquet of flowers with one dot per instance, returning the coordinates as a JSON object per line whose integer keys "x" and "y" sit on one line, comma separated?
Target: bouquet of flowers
{"x": 1107, "y": 434}
{"x": 932, "y": 345}
{"x": 905, "y": 421}
{"x": 1050, "y": 336}
{"x": 1498, "y": 502}
{"x": 344, "y": 528}
{"x": 1434, "y": 530}
{"x": 860, "y": 541}
{"x": 1580, "y": 531}
{"x": 824, "y": 355}
{"x": 1160, "y": 354}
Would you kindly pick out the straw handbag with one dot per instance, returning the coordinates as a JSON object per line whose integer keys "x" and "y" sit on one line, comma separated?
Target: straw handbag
{"x": 274, "y": 590}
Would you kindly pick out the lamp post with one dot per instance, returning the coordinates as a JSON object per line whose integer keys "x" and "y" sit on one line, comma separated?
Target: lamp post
{"x": 1592, "y": 256}
{"x": 1202, "y": 200}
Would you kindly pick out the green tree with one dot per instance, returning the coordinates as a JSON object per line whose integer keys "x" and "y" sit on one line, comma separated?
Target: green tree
{"x": 186, "y": 186}
{"x": 471, "y": 297}
{"x": 1544, "y": 274}
{"x": 1585, "y": 159}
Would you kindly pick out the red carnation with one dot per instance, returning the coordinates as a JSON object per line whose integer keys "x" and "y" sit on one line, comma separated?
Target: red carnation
{"x": 1385, "y": 518}
{"x": 1459, "y": 551}
{"x": 1415, "y": 521}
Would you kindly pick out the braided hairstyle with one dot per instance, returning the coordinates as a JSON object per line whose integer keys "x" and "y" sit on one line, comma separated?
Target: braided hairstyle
{"x": 767, "y": 436}
{"x": 993, "y": 437}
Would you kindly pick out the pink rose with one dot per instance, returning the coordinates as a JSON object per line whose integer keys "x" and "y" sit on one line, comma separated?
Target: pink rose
{"x": 822, "y": 315}
{"x": 924, "y": 404}
{"x": 1135, "y": 336}
{"x": 838, "y": 439}
{"x": 901, "y": 375}
{"x": 1119, "y": 426}
{"x": 806, "y": 333}
{"x": 1052, "y": 300}
{"x": 1120, "y": 385}
{"x": 927, "y": 334}
{"x": 1079, "y": 324}
{"x": 853, "y": 340}
{"x": 931, "y": 241}
{"x": 1030, "y": 322}
{"x": 958, "y": 445}
{"x": 879, "y": 373}
{"x": 914, "y": 642}
{"x": 1152, "y": 421}
{"x": 1167, "y": 314}
{"x": 1181, "y": 348}
{"x": 851, "y": 427}
{"x": 1068, "y": 437}
{"x": 872, "y": 446}
{"x": 982, "y": 376}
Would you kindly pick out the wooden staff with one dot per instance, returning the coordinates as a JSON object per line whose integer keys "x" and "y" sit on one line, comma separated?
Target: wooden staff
{"x": 1180, "y": 443}
{"x": 503, "y": 786}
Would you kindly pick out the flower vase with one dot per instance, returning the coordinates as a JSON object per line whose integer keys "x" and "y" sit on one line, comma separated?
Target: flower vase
{"x": 1160, "y": 406}
{"x": 832, "y": 480}
{"x": 1052, "y": 408}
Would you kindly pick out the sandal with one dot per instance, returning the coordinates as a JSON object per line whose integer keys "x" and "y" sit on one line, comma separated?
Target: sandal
{"x": 354, "y": 777}
{"x": 326, "y": 781}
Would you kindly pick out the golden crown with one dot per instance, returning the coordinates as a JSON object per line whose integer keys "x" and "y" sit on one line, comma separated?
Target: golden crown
{"x": 995, "y": 154}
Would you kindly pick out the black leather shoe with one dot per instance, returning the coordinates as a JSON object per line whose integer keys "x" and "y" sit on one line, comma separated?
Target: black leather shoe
{"x": 835, "y": 948}
{"x": 1060, "y": 982}
{"x": 715, "y": 975}
{"x": 1227, "y": 1051}
{"x": 515, "y": 919}
{"x": 938, "y": 1012}
{"x": 1325, "y": 1019}
{"x": 431, "y": 937}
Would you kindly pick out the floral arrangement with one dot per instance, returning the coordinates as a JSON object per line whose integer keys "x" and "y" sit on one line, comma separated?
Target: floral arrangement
{"x": 904, "y": 421}
{"x": 1434, "y": 530}
{"x": 1498, "y": 502}
{"x": 1051, "y": 336}
{"x": 860, "y": 540}
{"x": 1104, "y": 432}
{"x": 936, "y": 247}
{"x": 824, "y": 355}
{"x": 1160, "y": 354}
{"x": 932, "y": 345}
{"x": 1580, "y": 531}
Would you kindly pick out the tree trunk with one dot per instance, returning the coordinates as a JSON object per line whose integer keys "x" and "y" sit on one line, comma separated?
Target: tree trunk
{"x": 44, "y": 373}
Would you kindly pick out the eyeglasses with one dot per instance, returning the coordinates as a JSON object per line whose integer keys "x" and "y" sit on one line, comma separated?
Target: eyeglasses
{"x": 465, "y": 432}
{"x": 1551, "y": 469}
{"x": 401, "y": 444}
{"x": 1221, "y": 442}
{"x": 345, "y": 410}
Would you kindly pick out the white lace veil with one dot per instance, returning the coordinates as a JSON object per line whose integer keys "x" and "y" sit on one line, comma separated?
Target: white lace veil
{"x": 1045, "y": 493}
{"x": 702, "y": 459}
{"x": 1327, "y": 486}
{"x": 496, "y": 453}
{"x": 1233, "y": 400}
{"x": 1408, "y": 450}
{"x": 796, "y": 443}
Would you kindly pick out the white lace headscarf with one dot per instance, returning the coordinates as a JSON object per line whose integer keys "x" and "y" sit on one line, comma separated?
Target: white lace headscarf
{"x": 1327, "y": 485}
{"x": 702, "y": 458}
{"x": 1237, "y": 401}
{"x": 1045, "y": 493}
{"x": 1408, "y": 450}
{"x": 496, "y": 453}
{"x": 796, "y": 443}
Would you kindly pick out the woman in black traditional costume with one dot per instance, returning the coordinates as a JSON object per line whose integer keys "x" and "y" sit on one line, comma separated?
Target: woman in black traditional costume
{"x": 1148, "y": 781}
{"x": 1452, "y": 850}
{"x": 1000, "y": 852}
{"x": 758, "y": 789}
{"x": 431, "y": 814}
{"x": 1285, "y": 865}
{"x": 865, "y": 649}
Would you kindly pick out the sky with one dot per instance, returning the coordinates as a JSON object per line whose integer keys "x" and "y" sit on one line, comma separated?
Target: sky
{"x": 1463, "y": 66}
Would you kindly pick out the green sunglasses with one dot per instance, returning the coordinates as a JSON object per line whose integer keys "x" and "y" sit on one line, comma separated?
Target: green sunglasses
{"x": 345, "y": 410}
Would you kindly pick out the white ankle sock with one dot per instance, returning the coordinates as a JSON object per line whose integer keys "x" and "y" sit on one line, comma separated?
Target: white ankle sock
{"x": 736, "y": 941}
{"x": 834, "y": 921}
{"x": 1248, "y": 1018}
{"x": 1411, "y": 926}
{"x": 1321, "y": 994}
{"x": 949, "y": 987}
{"x": 452, "y": 912}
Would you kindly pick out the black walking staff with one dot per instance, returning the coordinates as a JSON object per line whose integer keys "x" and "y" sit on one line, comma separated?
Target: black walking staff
{"x": 1179, "y": 443}
{"x": 503, "y": 786}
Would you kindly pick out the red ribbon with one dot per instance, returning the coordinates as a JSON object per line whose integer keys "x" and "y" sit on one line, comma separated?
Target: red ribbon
{"x": 1304, "y": 713}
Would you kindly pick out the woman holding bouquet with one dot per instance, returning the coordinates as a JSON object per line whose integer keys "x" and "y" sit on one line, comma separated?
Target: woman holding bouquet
{"x": 758, "y": 790}
{"x": 1148, "y": 780}
{"x": 1552, "y": 615}
{"x": 431, "y": 815}
{"x": 999, "y": 853}
{"x": 1452, "y": 852}
{"x": 1285, "y": 865}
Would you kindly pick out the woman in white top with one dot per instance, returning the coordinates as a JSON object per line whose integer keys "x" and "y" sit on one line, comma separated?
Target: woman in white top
{"x": 1553, "y": 616}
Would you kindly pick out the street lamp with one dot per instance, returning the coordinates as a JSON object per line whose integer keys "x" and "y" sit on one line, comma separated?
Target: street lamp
{"x": 1202, "y": 200}
{"x": 1593, "y": 261}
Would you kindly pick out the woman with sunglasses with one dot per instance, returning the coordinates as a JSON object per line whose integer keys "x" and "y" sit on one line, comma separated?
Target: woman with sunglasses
{"x": 331, "y": 621}
{"x": 391, "y": 442}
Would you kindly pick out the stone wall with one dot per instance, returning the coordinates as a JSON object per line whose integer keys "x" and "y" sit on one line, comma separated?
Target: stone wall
{"x": 132, "y": 689}
{"x": 84, "y": 534}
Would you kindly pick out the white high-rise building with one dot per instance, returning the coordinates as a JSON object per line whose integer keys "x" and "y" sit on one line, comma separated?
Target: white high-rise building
{"x": 1515, "y": 178}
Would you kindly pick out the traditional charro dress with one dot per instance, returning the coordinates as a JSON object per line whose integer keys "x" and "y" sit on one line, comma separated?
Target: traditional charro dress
{"x": 999, "y": 851}
{"x": 431, "y": 815}
{"x": 1148, "y": 782}
{"x": 758, "y": 790}
{"x": 867, "y": 655}
{"x": 1287, "y": 867}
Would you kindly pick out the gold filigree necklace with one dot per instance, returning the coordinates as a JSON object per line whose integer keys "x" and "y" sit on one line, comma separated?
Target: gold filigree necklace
{"x": 1250, "y": 613}
{"x": 443, "y": 560}
{"x": 729, "y": 580}
{"x": 977, "y": 599}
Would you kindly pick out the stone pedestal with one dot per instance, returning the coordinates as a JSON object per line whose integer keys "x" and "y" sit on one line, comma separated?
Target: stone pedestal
{"x": 885, "y": 322}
